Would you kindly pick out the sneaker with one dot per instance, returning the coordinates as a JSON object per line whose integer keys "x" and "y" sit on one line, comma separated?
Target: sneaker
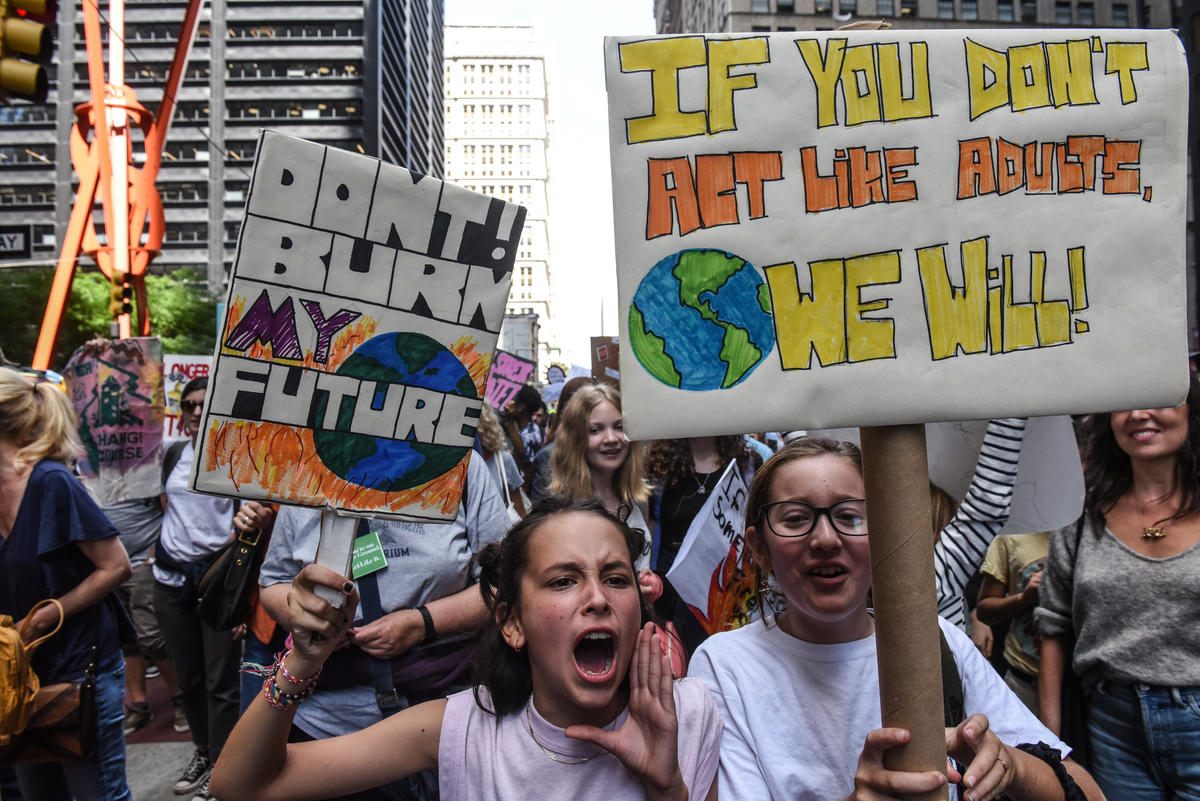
{"x": 194, "y": 775}
{"x": 181, "y": 723}
{"x": 203, "y": 794}
{"x": 137, "y": 717}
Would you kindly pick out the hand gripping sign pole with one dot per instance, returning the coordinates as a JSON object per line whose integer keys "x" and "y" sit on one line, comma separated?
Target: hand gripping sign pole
{"x": 896, "y": 474}
{"x": 334, "y": 551}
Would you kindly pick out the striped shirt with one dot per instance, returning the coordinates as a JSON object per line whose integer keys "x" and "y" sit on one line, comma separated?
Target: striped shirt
{"x": 963, "y": 543}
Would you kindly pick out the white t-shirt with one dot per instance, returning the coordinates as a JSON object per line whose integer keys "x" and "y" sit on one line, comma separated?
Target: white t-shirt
{"x": 797, "y": 713}
{"x": 483, "y": 758}
{"x": 194, "y": 526}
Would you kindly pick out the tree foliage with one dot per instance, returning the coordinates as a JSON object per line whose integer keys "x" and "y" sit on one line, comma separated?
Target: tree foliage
{"x": 182, "y": 313}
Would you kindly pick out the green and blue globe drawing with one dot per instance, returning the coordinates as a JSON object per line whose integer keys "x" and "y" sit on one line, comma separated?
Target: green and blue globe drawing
{"x": 380, "y": 463}
{"x": 701, "y": 320}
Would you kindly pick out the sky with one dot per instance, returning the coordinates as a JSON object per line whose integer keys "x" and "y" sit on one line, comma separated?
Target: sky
{"x": 581, "y": 233}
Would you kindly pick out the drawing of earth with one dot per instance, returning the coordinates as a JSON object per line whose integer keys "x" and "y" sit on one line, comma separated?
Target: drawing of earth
{"x": 701, "y": 319}
{"x": 377, "y": 462}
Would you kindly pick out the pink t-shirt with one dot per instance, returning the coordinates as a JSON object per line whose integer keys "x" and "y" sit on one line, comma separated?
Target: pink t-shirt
{"x": 482, "y": 757}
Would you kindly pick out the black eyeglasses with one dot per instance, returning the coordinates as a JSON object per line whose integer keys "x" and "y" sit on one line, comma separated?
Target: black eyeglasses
{"x": 798, "y": 519}
{"x": 190, "y": 406}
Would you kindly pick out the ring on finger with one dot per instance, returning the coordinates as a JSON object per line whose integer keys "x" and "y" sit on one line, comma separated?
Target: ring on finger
{"x": 1003, "y": 764}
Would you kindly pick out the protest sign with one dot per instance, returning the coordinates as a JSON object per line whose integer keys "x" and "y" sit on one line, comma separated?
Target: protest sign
{"x": 509, "y": 373}
{"x": 177, "y": 371}
{"x": 1048, "y": 490}
{"x": 363, "y": 311}
{"x": 887, "y": 227}
{"x": 712, "y": 571}
{"x": 117, "y": 392}
{"x": 606, "y": 359}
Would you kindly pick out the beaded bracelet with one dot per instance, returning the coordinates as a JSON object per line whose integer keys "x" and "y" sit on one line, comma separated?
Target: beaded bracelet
{"x": 279, "y": 666}
{"x": 287, "y": 674}
{"x": 281, "y": 700}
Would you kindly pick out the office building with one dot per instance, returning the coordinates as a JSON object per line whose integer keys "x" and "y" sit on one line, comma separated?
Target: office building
{"x": 363, "y": 75}
{"x": 497, "y": 136}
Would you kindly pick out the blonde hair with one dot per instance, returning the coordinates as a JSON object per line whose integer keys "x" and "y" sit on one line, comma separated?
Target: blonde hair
{"x": 571, "y": 478}
{"x": 942, "y": 508}
{"x": 38, "y": 419}
{"x": 491, "y": 437}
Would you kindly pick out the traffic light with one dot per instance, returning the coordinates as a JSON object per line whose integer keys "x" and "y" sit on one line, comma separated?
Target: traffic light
{"x": 26, "y": 44}
{"x": 120, "y": 296}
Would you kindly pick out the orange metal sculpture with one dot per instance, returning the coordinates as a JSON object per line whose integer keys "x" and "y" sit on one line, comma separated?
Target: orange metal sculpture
{"x": 102, "y": 154}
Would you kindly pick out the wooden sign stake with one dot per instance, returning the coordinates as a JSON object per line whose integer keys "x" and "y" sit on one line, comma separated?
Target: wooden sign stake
{"x": 896, "y": 474}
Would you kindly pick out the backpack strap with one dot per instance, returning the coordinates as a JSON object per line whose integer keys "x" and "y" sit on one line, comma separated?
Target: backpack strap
{"x": 171, "y": 458}
{"x": 953, "y": 704}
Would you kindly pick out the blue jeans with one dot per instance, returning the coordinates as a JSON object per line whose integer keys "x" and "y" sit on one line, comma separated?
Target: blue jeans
{"x": 1145, "y": 741}
{"x": 257, "y": 652}
{"x": 101, "y": 776}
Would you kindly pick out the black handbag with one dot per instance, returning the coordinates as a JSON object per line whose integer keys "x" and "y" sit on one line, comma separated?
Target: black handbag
{"x": 63, "y": 723}
{"x": 223, "y": 594}
{"x": 1073, "y": 700}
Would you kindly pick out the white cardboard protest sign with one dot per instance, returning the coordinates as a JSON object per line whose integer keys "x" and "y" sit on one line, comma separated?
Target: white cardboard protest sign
{"x": 177, "y": 371}
{"x": 1048, "y": 490}
{"x": 363, "y": 312}
{"x": 712, "y": 571}
{"x": 824, "y": 229}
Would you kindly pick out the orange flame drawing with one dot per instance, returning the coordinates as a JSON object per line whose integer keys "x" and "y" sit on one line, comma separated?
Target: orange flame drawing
{"x": 730, "y": 593}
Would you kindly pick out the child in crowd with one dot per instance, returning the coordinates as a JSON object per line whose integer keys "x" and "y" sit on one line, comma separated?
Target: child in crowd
{"x": 593, "y": 458}
{"x": 800, "y": 695}
{"x": 1012, "y": 573}
{"x": 573, "y": 697}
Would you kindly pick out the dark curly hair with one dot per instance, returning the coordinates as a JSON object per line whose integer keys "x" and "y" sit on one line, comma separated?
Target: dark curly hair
{"x": 1108, "y": 473}
{"x": 669, "y": 461}
{"x": 505, "y": 672}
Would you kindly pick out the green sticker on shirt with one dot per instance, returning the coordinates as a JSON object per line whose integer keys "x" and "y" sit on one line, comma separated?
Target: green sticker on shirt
{"x": 368, "y": 556}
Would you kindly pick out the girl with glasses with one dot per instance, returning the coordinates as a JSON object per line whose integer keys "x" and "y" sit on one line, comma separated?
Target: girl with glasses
{"x": 799, "y": 694}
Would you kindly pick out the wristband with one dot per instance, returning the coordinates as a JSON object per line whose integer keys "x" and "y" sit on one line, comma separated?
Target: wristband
{"x": 430, "y": 631}
{"x": 1051, "y": 756}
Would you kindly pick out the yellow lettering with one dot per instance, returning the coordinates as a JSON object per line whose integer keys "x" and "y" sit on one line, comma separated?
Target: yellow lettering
{"x": 663, "y": 58}
{"x": 723, "y": 54}
{"x": 1124, "y": 58}
{"x": 1071, "y": 73}
{"x": 1027, "y": 77}
{"x": 1020, "y": 319}
{"x": 860, "y": 93}
{"x": 897, "y": 106}
{"x": 987, "y": 78}
{"x": 868, "y": 339}
{"x": 825, "y": 69}
{"x": 808, "y": 322}
{"x": 957, "y": 315}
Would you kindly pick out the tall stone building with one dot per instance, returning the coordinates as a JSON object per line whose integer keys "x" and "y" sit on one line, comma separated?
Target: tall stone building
{"x": 703, "y": 16}
{"x": 363, "y": 75}
{"x": 497, "y": 137}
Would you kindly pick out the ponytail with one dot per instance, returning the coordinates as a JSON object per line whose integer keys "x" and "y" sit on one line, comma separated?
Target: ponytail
{"x": 38, "y": 418}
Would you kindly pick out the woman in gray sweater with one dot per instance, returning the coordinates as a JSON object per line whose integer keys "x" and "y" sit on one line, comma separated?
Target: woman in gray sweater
{"x": 1124, "y": 583}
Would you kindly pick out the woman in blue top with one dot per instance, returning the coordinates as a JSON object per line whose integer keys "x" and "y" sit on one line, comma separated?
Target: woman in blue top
{"x": 56, "y": 543}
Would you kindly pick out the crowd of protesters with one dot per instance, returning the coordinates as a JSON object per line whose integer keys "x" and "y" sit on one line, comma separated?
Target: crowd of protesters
{"x": 534, "y": 645}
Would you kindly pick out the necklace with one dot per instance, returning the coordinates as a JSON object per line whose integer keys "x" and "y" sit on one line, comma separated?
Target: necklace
{"x": 551, "y": 755}
{"x": 1149, "y": 532}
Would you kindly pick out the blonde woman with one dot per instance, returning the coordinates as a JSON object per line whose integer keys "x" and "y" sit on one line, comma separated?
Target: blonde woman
{"x": 593, "y": 458}
{"x": 56, "y": 539}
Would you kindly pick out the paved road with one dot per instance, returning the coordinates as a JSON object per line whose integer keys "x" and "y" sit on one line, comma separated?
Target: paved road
{"x": 151, "y": 769}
